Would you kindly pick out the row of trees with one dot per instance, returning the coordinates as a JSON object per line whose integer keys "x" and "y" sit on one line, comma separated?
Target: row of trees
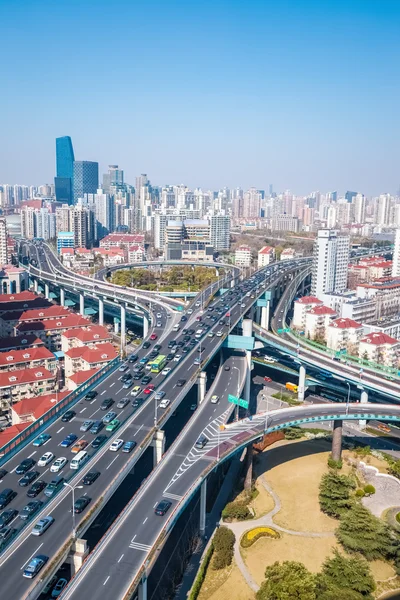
{"x": 193, "y": 278}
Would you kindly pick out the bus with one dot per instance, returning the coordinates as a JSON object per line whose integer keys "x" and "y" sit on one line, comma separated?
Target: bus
{"x": 158, "y": 363}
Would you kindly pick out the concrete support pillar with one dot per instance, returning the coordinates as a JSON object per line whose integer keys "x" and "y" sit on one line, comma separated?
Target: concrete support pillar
{"x": 77, "y": 555}
{"x": 247, "y": 327}
{"x": 145, "y": 326}
{"x": 362, "y": 423}
{"x": 265, "y": 317}
{"x": 337, "y": 439}
{"x": 46, "y": 290}
{"x": 123, "y": 326}
{"x": 233, "y": 283}
{"x": 82, "y": 304}
{"x": 35, "y": 285}
{"x": 216, "y": 273}
{"x": 302, "y": 384}
{"x": 201, "y": 387}
{"x": 158, "y": 446}
{"x": 142, "y": 589}
{"x": 258, "y": 315}
{"x": 248, "y": 476}
{"x": 62, "y": 296}
{"x": 116, "y": 326}
{"x": 203, "y": 506}
{"x": 101, "y": 311}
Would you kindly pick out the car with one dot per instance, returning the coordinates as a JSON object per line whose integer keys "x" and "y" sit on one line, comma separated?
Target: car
{"x": 267, "y": 379}
{"x": 242, "y": 305}
{"x": 227, "y": 368}
{"x": 45, "y": 459}
{"x": 90, "y": 477}
{"x": 222, "y": 322}
{"x": 116, "y": 445}
{"x": 69, "y": 440}
{"x": 138, "y": 369}
{"x": 210, "y": 334}
{"x": 3, "y": 473}
{"x": 86, "y": 425}
{"x": 42, "y": 525}
{"x": 123, "y": 368}
{"x": 129, "y": 446}
{"x": 36, "y": 488}
{"x": 193, "y": 407}
{"x": 159, "y": 315}
{"x": 7, "y": 516}
{"x": 67, "y": 416}
{"x": 6, "y": 533}
{"x": 58, "y": 588}
{"x": 164, "y": 403}
{"x": 78, "y": 446}
{"x": 169, "y": 356}
{"x": 190, "y": 311}
{"x": 96, "y": 427}
{"x": 177, "y": 357}
{"x": 28, "y": 478}
{"x": 115, "y": 423}
{"x": 50, "y": 584}
{"x": 190, "y": 331}
{"x": 158, "y": 324}
{"x": 109, "y": 417}
{"x": 106, "y": 404}
{"x": 30, "y": 509}
{"x": 159, "y": 395}
{"x": 58, "y": 464}
{"x": 25, "y": 465}
{"x": 123, "y": 402}
{"x": 201, "y": 442}
{"x": 81, "y": 503}
{"x": 180, "y": 344}
{"x": 137, "y": 402}
{"x": 180, "y": 382}
{"x": 197, "y": 360}
{"x": 148, "y": 390}
{"x": 214, "y": 399}
{"x": 146, "y": 345}
{"x": 133, "y": 358}
{"x": 91, "y": 395}
{"x": 153, "y": 336}
{"x": 136, "y": 390}
{"x": 162, "y": 507}
{"x": 192, "y": 342}
{"x": 146, "y": 379}
{"x": 166, "y": 371}
{"x": 35, "y": 565}
{"x": 137, "y": 376}
{"x": 183, "y": 318}
{"x": 219, "y": 333}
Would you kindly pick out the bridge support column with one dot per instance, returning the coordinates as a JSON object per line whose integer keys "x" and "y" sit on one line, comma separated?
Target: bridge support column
{"x": 265, "y": 317}
{"x": 35, "y": 285}
{"x": 101, "y": 311}
{"x": 62, "y": 296}
{"x": 123, "y": 326}
{"x": 158, "y": 446}
{"x": 247, "y": 328}
{"x": 46, "y": 290}
{"x": 337, "y": 439}
{"x": 142, "y": 589}
{"x": 82, "y": 304}
{"x": 203, "y": 506}
{"x": 258, "y": 315}
{"x": 362, "y": 423}
{"x": 302, "y": 384}
{"x": 76, "y": 557}
{"x": 233, "y": 283}
{"x": 248, "y": 476}
{"x": 145, "y": 326}
{"x": 201, "y": 387}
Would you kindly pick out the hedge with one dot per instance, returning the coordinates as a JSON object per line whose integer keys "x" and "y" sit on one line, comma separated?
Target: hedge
{"x": 201, "y": 574}
{"x": 223, "y": 541}
{"x": 236, "y": 510}
{"x": 255, "y": 534}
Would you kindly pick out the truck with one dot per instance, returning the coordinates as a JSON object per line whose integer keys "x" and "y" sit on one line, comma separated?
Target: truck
{"x": 292, "y": 387}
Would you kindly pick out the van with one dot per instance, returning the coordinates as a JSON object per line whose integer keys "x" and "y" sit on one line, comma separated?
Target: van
{"x": 79, "y": 460}
{"x": 176, "y": 328}
{"x": 54, "y": 486}
{"x": 96, "y": 427}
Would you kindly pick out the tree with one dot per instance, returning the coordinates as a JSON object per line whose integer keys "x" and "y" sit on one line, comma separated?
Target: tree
{"x": 223, "y": 542}
{"x": 360, "y": 531}
{"x": 335, "y": 493}
{"x": 287, "y": 581}
{"x": 350, "y": 574}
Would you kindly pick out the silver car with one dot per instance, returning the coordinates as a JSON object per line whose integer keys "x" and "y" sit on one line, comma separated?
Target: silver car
{"x": 86, "y": 425}
{"x": 109, "y": 417}
{"x": 42, "y": 525}
{"x": 122, "y": 403}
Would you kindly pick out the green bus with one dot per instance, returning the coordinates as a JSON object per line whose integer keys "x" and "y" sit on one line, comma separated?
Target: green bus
{"x": 158, "y": 363}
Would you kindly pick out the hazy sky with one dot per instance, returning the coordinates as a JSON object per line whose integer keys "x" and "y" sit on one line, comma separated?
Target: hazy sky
{"x": 299, "y": 93}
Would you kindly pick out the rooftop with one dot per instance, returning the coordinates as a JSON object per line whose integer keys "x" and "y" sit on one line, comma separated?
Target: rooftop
{"x": 39, "y": 405}
{"x": 82, "y": 376}
{"x": 379, "y": 339}
{"x": 345, "y": 324}
{"x": 52, "y": 324}
{"x": 322, "y": 310}
{"x": 93, "y": 333}
{"x": 26, "y": 355}
{"x": 266, "y": 250}
{"x": 21, "y": 297}
{"x": 309, "y": 300}
{"x": 20, "y": 341}
{"x": 12, "y": 378}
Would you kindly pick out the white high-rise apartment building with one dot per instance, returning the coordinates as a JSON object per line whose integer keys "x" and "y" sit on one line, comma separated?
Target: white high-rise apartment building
{"x": 396, "y": 255}
{"x": 359, "y": 208}
{"x": 330, "y": 263}
{"x": 251, "y": 204}
{"x": 382, "y": 209}
{"x": 3, "y": 242}
{"x": 220, "y": 232}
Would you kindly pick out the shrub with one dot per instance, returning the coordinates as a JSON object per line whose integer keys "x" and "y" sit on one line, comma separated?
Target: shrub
{"x": 201, "y": 574}
{"x": 369, "y": 489}
{"x": 236, "y": 510}
{"x": 334, "y": 493}
{"x": 255, "y": 534}
{"x": 294, "y": 433}
{"x": 360, "y": 493}
{"x": 398, "y": 517}
{"x": 223, "y": 542}
{"x": 335, "y": 464}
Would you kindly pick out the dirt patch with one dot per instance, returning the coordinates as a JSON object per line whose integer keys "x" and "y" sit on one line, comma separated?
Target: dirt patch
{"x": 226, "y": 584}
{"x": 311, "y": 551}
{"x": 381, "y": 570}
{"x": 263, "y": 503}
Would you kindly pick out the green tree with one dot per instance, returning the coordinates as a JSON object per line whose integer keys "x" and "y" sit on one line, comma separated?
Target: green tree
{"x": 351, "y": 574}
{"x": 223, "y": 542}
{"x": 335, "y": 493}
{"x": 287, "y": 581}
{"x": 360, "y": 531}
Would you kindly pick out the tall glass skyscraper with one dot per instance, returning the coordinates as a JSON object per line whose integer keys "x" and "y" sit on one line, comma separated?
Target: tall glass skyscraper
{"x": 64, "y": 169}
{"x": 86, "y": 178}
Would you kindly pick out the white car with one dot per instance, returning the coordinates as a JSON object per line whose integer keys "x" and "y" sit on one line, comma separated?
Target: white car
{"x": 197, "y": 303}
{"x": 214, "y": 399}
{"x": 166, "y": 371}
{"x": 190, "y": 311}
{"x": 243, "y": 305}
{"x": 177, "y": 357}
{"x": 219, "y": 333}
{"x": 269, "y": 359}
{"x": 210, "y": 334}
{"x": 58, "y": 464}
{"x": 158, "y": 315}
{"x": 159, "y": 324}
{"x": 116, "y": 445}
{"x": 164, "y": 403}
{"x": 46, "y": 459}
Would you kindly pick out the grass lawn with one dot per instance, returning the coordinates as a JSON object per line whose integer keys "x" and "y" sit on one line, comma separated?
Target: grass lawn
{"x": 226, "y": 584}
{"x": 263, "y": 502}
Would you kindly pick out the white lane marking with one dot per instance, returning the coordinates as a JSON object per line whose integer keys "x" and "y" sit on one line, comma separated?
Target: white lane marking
{"x": 60, "y": 430}
{"x": 30, "y": 456}
{"x": 32, "y": 555}
{"x": 113, "y": 460}
{"x": 90, "y": 416}
{"x": 134, "y": 537}
{"x": 83, "y": 409}
{"x": 102, "y": 393}
{"x": 12, "y": 472}
{"x": 106, "y": 580}
{"x": 120, "y": 558}
{"x": 44, "y": 472}
{"x": 138, "y": 430}
{"x": 145, "y": 520}
{"x": 113, "y": 383}
{"x": 155, "y": 505}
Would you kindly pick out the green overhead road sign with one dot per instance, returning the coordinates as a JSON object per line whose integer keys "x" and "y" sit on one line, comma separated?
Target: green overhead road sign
{"x": 286, "y": 330}
{"x": 238, "y": 401}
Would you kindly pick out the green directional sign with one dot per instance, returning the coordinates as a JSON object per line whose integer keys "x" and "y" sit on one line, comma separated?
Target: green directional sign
{"x": 286, "y": 330}
{"x": 238, "y": 401}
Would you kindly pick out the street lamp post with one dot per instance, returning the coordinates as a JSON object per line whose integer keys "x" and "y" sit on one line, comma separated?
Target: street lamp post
{"x": 237, "y": 393}
{"x": 348, "y": 398}
{"x": 72, "y": 488}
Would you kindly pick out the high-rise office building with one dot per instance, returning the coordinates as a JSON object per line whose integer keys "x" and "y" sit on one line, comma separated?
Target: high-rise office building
{"x": 114, "y": 178}
{"x": 220, "y": 232}
{"x": 330, "y": 263}
{"x": 86, "y": 178}
{"x": 350, "y": 195}
{"x": 80, "y": 226}
{"x": 3, "y": 242}
{"x": 64, "y": 170}
{"x": 396, "y": 255}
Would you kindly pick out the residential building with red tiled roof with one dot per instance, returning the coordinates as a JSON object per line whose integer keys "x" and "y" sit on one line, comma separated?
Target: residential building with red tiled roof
{"x": 111, "y": 256}
{"x": 85, "y": 358}
{"x": 16, "y": 385}
{"x": 301, "y": 308}
{"x": 380, "y": 348}
{"x": 31, "y": 409}
{"x": 344, "y": 334}
{"x": 317, "y": 321}
{"x": 25, "y": 296}
{"x": 11, "y": 432}
{"x": 27, "y": 359}
{"x": 94, "y": 334}
{"x": 265, "y": 256}
{"x": 22, "y": 305}
{"x": 136, "y": 253}
{"x": 9, "y": 320}
{"x": 121, "y": 239}
{"x": 50, "y": 331}
{"x": 79, "y": 378}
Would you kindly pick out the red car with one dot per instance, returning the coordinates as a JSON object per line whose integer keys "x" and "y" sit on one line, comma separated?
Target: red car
{"x": 149, "y": 389}
{"x": 153, "y": 336}
{"x": 267, "y": 379}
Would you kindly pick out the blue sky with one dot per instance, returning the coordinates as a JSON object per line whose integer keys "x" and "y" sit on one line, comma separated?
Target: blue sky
{"x": 303, "y": 94}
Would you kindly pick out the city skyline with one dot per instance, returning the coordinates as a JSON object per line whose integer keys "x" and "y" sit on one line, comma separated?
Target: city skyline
{"x": 300, "y": 95}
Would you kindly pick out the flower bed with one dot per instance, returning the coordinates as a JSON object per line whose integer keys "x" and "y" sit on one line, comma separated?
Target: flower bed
{"x": 255, "y": 534}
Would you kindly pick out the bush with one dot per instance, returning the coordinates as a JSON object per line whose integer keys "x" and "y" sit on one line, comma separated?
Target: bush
{"x": 293, "y": 433}
{"x": 223, "y": 542}
{"x": 369, "y": 489}
{"x": 360, "y": 493}
{"x": 236, "y": 510}
{"x": 255, "y": 534}
{"x": 335, "y": 464}
{"x": 335, "y": 493}
{"x": 398, "y": 517}
{"x": 201, "y": 574}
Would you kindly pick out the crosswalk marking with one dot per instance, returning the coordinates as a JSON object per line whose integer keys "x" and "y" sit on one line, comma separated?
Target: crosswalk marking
{"x": 138, "y": 546}
{"x": 172, "y": 496}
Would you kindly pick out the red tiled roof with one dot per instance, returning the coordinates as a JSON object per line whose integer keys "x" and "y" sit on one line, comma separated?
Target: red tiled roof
{"x": 322, "y": 310}
{"x": 309, "y": 300}
{"x": 266, "y": 250}
{"x": 122, "y": 238}
{"x": 38, "y": 405}
{"x": 103, "y": 352}
{"x": 67, "y": 251}
{"x": 82, "y": 251}
{"x": 36, "y": 314}
{"x": 11, "y": 432}
{"x": 52, "y": 324}
{"x": 89, "y": 334}
{"x": 345, "y": 324}
{"x": 12, "y": 378}
{"x": 82, "y": 376}
{"x": 379, "y": 339}
{"x": 20, "y": 297}
{"x": 38, "y": 302}
{"x": 26, "y": 355}
{"x": 109, "y": 252}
